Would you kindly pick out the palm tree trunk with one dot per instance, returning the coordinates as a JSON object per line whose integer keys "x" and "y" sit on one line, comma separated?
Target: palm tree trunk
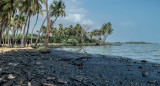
{"x": 19, "y": 33}
{"x": 14, "y": 30}
{"x": 33, "y": 28}
{"x": 16, "y": 37}
{"x": 1, "y": 29}
{"x": 8, "y": 33}
{"x": 13, "y": 38}
{"x": 40, "y": 31}
{"x": 48, "y": 26}
{"x": 27, "y": 29}
{"x": 54, "y": 21}
{"x": 22, "y": 41}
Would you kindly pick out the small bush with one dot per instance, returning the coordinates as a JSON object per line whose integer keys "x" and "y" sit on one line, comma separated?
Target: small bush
{"x": 44, "y": 50}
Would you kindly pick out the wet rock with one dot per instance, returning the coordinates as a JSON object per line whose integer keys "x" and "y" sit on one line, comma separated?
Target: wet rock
{"x": 8, "y": 83}
{"x": 38, "y": 63}
{"x": 45, "y": 51}
{"x": 143, "y": 61}
{"x": 12, "y": 64}
{"x": 46, "y": 84}
{"x": 140, "y": 67}
{"x": 0, "y": 70}
{"x": 1, "y": 80}
{"x": 61, "y": 81}
{"x": 10, "y": 76}
{"x": 29, "y": 83}
{"x": 77, "y": 63}
{"x": 153, "y": 82}
{"x": 145, "y": 74}
{"x": 129, "y": 69}
{"x": 51, "y": 78}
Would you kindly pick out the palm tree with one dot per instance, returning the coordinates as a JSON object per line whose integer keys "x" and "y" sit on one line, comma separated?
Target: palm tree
{"x": 106, "y": 30}
{"x": 56, "y": 10}
{"x": 38, "y": 10}
{"x": 20, "y": 22}
{"x": 8, "y": 8}
{"x": 60, "y": 29}
{"x": 48, "y": 26}
{"x": 30, "y": 8}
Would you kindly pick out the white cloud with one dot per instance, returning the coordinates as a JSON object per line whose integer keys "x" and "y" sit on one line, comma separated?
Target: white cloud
{"x": 75, "y": 13}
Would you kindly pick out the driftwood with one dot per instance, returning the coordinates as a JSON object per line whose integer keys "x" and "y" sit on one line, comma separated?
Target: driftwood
{"x": 80, "y": 58}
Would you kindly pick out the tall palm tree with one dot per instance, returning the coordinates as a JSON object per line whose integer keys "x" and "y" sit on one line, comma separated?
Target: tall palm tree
{"x": 57, "y": 9}
{"x": 48, "y": 26}
{"x": 30, "y": 7}
{"x": 37, "y": 11}
{"x": 8, "y": 7}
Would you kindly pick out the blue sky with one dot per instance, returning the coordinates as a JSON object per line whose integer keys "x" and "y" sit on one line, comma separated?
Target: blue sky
{"x": 132, "y": 20}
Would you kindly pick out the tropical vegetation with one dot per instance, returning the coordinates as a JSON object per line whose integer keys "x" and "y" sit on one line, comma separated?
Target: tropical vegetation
{"x": 15, "y": 24}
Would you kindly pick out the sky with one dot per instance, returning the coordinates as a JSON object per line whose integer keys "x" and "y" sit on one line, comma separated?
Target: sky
{"x": 132, "y": 20}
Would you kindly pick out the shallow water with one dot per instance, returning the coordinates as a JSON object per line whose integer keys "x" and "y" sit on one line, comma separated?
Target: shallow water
{"x": 149, "y": 52}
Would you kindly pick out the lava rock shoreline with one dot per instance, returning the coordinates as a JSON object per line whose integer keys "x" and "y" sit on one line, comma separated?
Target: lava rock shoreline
{"x": 62, "y": 68}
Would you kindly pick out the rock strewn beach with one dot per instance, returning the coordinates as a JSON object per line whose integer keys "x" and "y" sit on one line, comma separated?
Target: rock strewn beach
{"x": 62, "y": 68}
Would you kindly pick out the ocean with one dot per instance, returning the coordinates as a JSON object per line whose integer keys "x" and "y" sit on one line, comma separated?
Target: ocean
{"x": 149, "y": 52}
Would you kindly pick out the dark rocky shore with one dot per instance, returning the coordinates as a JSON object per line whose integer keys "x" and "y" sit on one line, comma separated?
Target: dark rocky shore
{"x": 61, "y": 68}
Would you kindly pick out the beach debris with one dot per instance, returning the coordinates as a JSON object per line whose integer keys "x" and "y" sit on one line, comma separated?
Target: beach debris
{"x": 29, "y": 83}
{"x": 46, "y": 84}
{"x": 10, "y": 76}
{"x": 51, "y": 78}
{"x": 61, "y": 81}
{"x": 81, "y": 57}
{"x": 12, "y": 64}
{"x": 153, "y": 82}
{"x": 144, "y": 74}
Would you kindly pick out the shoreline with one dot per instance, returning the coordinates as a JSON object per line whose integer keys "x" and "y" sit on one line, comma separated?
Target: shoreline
{"x": 62, "y": 68}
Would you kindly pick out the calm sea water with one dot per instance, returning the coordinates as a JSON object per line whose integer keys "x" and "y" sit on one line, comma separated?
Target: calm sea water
{"x": 149, "y": 52}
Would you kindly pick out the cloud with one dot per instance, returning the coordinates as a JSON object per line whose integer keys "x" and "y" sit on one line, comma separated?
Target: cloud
{"x": 75, "y": 13}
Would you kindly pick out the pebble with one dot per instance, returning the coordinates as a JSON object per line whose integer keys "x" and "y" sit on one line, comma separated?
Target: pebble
{"x": 144, "y": 74}
{"x": 51, "y": 78}
{"x": 10, "y": 76}
{"x": 45, "y": 84}
{"x": 61, "y": 82}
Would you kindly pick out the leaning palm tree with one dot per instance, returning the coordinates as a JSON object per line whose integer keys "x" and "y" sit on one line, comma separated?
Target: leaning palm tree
{"x": 48, "y": 26}
{"x": 57, "y": 9}
{"x": 106, "y": 30}
{"x": 30, "y": 8}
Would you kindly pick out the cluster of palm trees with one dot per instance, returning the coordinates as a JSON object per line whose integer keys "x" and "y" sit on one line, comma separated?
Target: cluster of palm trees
{"x": 77, "y": 33}
{"x": 102, "y": 33}
{"x": 15, "y": 16}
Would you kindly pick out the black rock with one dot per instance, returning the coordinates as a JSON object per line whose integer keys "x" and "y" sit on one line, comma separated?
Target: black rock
{"x": 144, "y": 74}
{"x": 144, "y": 61}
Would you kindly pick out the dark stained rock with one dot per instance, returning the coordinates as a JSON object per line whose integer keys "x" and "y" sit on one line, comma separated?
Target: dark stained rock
{"x": 143, "y": 61}
{"x": 145, "y": 74}
{"x": 140, "y": 67}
